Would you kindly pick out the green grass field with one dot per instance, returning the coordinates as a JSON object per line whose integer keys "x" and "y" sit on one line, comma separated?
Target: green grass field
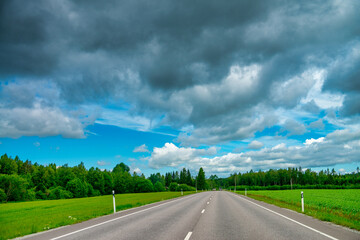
{"x": 22, "y": 218}
{"x": 340, "y": 206}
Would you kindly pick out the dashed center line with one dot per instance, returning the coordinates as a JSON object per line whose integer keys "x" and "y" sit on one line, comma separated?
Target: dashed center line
{"x": 188, "y": 236}
{"x": 207, "y": 202}
{"x": 203, "y": 211}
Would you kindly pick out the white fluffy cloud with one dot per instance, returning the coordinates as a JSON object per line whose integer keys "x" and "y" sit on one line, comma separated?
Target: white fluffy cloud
{"x": 38, "y": 121}
{"x": 255, "y": 145}
{"x": 342, "y": 146}
{"x": 137, "y": 170}
{"x": 173, "y": 156}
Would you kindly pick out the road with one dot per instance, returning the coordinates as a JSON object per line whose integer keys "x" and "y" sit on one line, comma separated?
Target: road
{"x": 207, "y": 215}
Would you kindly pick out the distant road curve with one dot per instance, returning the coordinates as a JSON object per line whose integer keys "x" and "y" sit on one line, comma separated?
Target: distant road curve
{"x": 207, "y": 215}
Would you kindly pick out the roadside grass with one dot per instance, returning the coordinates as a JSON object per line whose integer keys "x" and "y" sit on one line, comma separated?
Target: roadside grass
{"x": 340, "y": 206}
{"x": 22, "y": 218}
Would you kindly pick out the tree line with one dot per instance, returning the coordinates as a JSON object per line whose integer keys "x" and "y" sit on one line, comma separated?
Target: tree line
{"x": 24, "y": 181}
{"x": 290, "y": 178}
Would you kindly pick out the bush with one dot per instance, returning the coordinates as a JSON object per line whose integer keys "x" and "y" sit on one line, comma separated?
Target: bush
{"x": 14, "y": 186}
{"x": 30, "y": 194}
{"x": 40, "y": 195}
{"x": 173, "y": 186}
{"x": 77, "y": 187}
{"x": 59, "y": 193}
{"x": 159, "y": 187}
{"x": 143, "y": 185}
{"x": 185, "y": 187}
{"x": 2, "y": 195}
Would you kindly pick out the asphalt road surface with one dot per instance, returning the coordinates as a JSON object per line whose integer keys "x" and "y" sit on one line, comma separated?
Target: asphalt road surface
{"x": 207, "y": 215}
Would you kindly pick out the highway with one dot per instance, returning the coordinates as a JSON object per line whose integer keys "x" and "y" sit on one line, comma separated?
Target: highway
{"x": 207, "y": 215}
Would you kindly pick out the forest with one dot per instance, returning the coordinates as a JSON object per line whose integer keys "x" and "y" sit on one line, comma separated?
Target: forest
{"x": 25, "y": 181}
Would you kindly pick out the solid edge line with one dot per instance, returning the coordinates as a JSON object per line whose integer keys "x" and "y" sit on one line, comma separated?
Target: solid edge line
{"x": 188, "y": 236}
{"x": 130, "y": 214}
{"x": 290, "y": 219}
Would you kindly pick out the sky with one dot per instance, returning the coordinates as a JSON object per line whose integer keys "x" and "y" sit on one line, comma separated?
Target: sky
{"x": 160, "y": 85}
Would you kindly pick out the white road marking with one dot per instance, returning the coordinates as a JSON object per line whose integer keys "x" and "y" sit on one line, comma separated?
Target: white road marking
{"x": 301, "y": 224}
{"x": 203, "y": 211}
{"x": 188, "y": 236}
{"x": 207, "y": 202}
{"x": 130, "y": 214}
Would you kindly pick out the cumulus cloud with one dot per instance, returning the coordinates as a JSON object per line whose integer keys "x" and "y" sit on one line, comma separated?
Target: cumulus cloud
{"x": 312, "y": 140}
{"x": 255, "y": 145}
{"x": 137, "y": 171}
{"x": 322, "y": 152}
{"x": 141, "y": 148}
{"x": 37, "y": 121}
{"x": 172, "y": 156}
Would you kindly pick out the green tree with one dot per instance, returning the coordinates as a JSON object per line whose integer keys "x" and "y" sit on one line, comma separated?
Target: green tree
{"x": 122, "y": 167}
{"x": 80, "y": 171}
{"x": 123, "y": 182}
{"x": 189, "y": 180}
{"x": 182, "y": 176}
{"x": 201, "y": 179}
{"x": 108, "y": 182}
{"x": 96, "y": 178}
{"x": 64, "y": 175}
{"x": 168, "y": 179}
{"x": 8, "y": 165}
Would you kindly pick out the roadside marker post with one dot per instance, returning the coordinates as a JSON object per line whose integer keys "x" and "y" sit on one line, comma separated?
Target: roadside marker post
{"x": 302, "y": 201}
{"x": 182, "y": 192}
{"x": 245, "y": 192}
{"x": 113, "y": 192}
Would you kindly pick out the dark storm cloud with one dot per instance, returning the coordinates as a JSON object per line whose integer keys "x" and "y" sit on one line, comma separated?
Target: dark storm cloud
{"x": 25, "y": 47}
{"x": 174, "y": 58}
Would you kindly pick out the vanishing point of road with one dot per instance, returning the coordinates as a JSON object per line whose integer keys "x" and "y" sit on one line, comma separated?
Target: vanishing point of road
{"x": 207, "y": 215}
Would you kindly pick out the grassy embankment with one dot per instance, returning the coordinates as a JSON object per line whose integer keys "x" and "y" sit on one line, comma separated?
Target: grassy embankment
{"x": 340, "y": 206}
{"x": 22, "y": 218}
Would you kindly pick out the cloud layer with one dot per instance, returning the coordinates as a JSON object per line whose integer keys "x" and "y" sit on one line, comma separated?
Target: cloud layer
{"x": 215, "y": 71}
{"x": 341, "y": 146}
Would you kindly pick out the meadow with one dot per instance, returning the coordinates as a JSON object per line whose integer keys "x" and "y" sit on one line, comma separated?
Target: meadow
{"x": 340, "y": 206}
{"x": 22, "y": 218}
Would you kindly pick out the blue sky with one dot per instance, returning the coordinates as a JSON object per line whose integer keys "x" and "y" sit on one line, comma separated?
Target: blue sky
{"x": 228, "y": 86}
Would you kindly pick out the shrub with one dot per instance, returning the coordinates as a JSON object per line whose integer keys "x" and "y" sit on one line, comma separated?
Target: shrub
{"x": 2, "y": 195}
{"x": 77, "y": 187}
{"x": 40, "y": 195}
{"x": 59, "y": 193}
{"x": 30, "y": 194}
{"x": 159, "y": 187}
{"x": 184, "y": 187}
{"x": 143, "y": 185}
{"x": 173, "y": 186}
{"x": 14, "y": 186}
